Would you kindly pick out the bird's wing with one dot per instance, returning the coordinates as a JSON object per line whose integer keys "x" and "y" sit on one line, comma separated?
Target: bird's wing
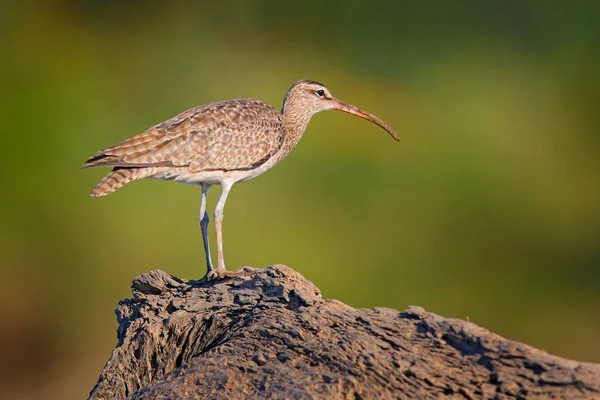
{"x": 231, "y": 135}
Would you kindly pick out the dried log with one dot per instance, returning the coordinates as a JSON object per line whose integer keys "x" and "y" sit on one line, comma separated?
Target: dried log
{"x": 269, "y": 334}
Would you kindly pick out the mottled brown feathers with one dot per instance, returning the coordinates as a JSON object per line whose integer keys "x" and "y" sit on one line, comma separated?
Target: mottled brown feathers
{"x": 119, "y": 177}
{"x": 230, "y": 135}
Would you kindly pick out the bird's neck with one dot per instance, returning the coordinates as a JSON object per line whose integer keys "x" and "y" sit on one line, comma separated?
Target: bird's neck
{"x": 295, "y": 124}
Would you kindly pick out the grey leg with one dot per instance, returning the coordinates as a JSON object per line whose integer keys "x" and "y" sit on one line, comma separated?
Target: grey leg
{"x": 203, "y": 221}
{"x": 218, "y": 222}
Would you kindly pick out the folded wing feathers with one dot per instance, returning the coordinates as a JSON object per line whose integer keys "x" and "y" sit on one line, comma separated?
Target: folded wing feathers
{"x": 224, "y": 136}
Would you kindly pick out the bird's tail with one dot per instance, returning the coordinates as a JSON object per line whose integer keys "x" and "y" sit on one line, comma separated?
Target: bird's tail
{"x": 119, "y": 177}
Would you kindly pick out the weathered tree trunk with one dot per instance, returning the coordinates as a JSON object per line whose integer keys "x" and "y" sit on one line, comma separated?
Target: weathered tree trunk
{"x": 269, "y": 334}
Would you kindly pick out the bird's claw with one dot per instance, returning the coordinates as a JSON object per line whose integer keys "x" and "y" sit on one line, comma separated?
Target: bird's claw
{"x": 219, "y": 274}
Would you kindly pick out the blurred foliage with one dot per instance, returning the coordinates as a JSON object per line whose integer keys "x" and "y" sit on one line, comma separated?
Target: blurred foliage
{"x": 489, "y": 208}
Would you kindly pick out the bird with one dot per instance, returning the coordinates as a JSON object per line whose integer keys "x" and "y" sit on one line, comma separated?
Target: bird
{"x": 221, "y": 143}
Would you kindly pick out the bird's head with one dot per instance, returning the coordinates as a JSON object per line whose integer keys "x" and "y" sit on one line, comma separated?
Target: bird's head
{"x": 307, "y": 98}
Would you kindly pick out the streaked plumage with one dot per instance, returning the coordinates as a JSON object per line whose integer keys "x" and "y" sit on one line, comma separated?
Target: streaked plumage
{"x": 220, "y": 143}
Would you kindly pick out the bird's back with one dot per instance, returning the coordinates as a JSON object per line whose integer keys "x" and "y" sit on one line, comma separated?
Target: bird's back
{"x": 232, "y": 135}
{"x": 229, "y": 135}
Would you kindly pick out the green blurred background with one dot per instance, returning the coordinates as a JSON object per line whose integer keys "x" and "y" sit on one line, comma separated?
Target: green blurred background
{"x": 489, "y": 208}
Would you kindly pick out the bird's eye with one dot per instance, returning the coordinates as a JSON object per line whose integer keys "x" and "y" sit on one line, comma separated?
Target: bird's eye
{"x": 320, "y": 93}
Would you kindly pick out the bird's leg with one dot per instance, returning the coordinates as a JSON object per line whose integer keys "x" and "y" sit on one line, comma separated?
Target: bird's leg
{"x": 218, "y": 222}
{"x": 203, "y": 221}
{"x": 221, "y": 272}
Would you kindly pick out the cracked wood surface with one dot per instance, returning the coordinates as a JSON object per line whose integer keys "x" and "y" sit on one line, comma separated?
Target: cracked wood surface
{"x": 269, "y": 334}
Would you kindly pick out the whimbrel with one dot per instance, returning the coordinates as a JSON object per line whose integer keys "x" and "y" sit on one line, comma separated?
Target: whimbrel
{"x": 219, "y": 144}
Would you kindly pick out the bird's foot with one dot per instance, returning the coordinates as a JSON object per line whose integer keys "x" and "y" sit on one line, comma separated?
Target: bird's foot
{"x": 219, "y": 274}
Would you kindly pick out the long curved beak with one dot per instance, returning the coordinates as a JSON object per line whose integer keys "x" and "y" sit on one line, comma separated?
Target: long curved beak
{"x": 350, "y": 109}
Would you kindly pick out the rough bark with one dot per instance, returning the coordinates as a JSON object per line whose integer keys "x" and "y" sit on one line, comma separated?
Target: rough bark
{"x": 269, "y": 334}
